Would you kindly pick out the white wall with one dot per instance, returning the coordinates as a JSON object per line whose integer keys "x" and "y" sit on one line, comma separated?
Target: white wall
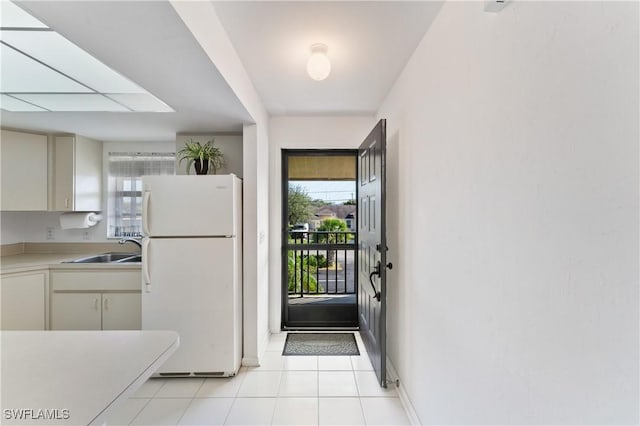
{"x": 301, "y": 133}
{"x": 204, "y": 24}
{"x": 12, "y": 227}
{"x": 32, "y": 226}
{"x": 229, "y": 144}
{"x": 38, "y": 223}
{"x": 513, "y": 215}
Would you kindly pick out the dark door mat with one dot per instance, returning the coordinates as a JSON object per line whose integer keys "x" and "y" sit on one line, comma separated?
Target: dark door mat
{"x": 320, "y": 344}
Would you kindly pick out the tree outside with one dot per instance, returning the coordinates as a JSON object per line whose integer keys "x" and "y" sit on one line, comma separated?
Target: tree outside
{"x": 317, "y": 203}
{"x": 335, "y": 227}
{"x": 300, "y": 205}
{"x": 302, "y": 268}
{"x": 333, "y": 224}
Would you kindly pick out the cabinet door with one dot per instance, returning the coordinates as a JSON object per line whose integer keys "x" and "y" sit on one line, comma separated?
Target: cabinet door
{"x": 63, "y": 173}
{"x": 76, "y": 311}
{"x": 121, "y": 311}
{"x": 77, "y": 174}
{"x": 23, "y": 169}
{"x": 88, "y": 175}
{"x": 23, "y": 302}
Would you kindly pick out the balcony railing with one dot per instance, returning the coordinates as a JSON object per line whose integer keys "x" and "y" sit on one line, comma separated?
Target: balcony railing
{"x": 321, "y": 263}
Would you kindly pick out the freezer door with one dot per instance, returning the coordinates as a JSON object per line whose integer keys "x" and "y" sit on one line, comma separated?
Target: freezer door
{"x": 192, "y": 286}
{"x": 184, "y": 206}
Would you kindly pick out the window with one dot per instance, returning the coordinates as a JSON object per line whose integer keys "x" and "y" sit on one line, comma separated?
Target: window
{"x": 124, "y": 205}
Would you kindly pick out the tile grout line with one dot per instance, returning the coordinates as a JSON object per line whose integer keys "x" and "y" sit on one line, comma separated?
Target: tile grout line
{"x": 191, "y": 402}
{"x": 233, "y": 403}
{"x": 364, "y": 419}
{"x": 148, "y": 401}
{"x": 318, "y": 393}
{"x": 273, "y": 413}
{"x": 139, "y": 411}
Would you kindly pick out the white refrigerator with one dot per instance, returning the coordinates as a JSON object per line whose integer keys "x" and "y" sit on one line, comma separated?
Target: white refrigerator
{"x": 192, "y": 270}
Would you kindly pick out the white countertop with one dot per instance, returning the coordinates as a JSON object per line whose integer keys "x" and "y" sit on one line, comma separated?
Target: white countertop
{"x": 79, "y": 376}
{"x": 31, "y": 261}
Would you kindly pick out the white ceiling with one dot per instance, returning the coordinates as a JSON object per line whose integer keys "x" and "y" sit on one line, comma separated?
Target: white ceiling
{"x": 149, "y": 44}
{"x": 43, "y": 71}
{"x": 369, "y": 44}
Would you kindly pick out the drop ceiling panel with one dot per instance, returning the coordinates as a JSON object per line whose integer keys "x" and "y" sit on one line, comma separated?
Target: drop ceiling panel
{"x": 141, "y": 102}
{"x": 20, "y": 73}
{"x": 12, "y": 104}
{"x": 73, "y": 102}
{"x": 59, "y": 53}
{"x": 12, "y": 16}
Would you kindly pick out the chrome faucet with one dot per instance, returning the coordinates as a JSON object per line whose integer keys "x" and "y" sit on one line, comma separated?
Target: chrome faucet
{"x": 131, "y": 240}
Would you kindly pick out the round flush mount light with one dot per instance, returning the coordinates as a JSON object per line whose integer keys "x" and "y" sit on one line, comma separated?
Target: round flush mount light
{"x": 318, "y": 65}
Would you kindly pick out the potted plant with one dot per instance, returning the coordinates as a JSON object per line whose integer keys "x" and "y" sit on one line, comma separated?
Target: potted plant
{"x": 201, "y": 156}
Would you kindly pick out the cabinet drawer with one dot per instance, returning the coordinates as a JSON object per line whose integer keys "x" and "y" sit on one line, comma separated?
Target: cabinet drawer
{"x": 100, "y": 280}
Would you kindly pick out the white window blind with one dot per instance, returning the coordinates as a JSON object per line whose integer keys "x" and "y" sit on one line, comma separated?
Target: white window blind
{"x": 124, "y": 205}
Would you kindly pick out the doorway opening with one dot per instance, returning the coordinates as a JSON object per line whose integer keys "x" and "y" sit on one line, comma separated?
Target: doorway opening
{"x": 320, "y": 237}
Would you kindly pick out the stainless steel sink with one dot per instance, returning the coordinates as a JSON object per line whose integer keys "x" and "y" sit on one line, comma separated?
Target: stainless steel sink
{"x": 109, "y": 258}
{"x": 133, "y": 259}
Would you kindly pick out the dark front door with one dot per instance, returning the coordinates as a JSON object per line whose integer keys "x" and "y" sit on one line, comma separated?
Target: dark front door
{"x": 372, "y": 248}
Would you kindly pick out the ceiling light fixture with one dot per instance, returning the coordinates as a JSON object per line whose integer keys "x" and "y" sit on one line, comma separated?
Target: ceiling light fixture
{"x": 318, "y": 65}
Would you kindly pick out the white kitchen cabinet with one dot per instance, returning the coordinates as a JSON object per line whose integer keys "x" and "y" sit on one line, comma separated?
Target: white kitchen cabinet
{"x": 77, "y": 174}
{"x": 23, "y": 301}
{"x": 98, "y": 299}
{"x": 23, "y": 158}
{"x": 95, "y": 311}
{"x": 121, "y": 311}
{"x": 76, "y": 311}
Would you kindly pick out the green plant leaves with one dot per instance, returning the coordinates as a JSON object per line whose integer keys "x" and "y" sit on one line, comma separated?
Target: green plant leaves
{"x": 194, "y": 150}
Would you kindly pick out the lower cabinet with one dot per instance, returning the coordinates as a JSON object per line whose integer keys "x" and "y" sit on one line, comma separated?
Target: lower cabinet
{"x": 76, "y": 311}
{"x": 96, "y": 300}
{"x": 121, "y": 311}
{"x": 23, "y": 300}
{"x": 95, "y": 311}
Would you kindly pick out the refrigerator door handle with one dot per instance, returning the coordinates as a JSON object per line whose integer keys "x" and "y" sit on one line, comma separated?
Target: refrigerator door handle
{"x": 145, "y": 265}
{"x": 145, "y": 213}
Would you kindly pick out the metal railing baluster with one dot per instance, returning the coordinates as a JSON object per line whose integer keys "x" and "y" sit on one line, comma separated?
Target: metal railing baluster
{"x": 338, "y": 247}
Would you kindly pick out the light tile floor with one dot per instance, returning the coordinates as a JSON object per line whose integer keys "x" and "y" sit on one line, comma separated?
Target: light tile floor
{"x": 284, "y": 390}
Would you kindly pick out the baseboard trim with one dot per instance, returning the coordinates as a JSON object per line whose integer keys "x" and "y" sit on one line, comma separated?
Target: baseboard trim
{"x": 266, "y": 338}
{"x": 250, "y": 361}
{"x": 402, "y": 394}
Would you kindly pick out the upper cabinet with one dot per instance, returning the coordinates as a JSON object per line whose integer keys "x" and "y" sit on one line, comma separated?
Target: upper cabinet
{"x": 23, "y": 171}
{"x": 77, "y": 176}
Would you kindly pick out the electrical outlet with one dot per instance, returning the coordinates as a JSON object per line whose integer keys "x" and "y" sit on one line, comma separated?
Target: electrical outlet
{"x": 86, "y": 235}
{"x": 51, "y": 234}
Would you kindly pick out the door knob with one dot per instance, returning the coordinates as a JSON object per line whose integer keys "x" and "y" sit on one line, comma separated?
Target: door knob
{"x": 389, "y": 265}
{"x": 376, "y": 293}
{"x": 376, "y": 271}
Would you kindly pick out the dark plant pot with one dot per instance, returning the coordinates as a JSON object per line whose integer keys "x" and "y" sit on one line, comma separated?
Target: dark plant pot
{"x": 202, "y": 167}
